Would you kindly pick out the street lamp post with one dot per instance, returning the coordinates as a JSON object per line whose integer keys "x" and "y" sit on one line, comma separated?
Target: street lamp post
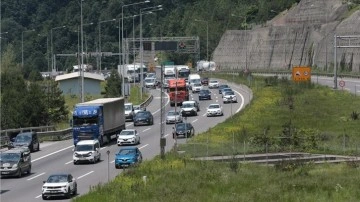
{"x": 22, "y": 46}
{"x": 52, "y": 48}
{"x": 207, "y": 37}
{"x": 122, "y": 44}
{"x": 100, "y": 55}
{"x": 149, "y": 10}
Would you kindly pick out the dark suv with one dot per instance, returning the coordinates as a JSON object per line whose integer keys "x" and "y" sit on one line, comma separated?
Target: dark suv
{"x": 143, "y": 118}
{"x": 205, "y": 81}
{"x": 183, "y": 129}
{"x": 26, "y": 139}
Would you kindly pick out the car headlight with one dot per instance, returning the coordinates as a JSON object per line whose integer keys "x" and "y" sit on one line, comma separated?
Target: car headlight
{"x": 15, "y": 166}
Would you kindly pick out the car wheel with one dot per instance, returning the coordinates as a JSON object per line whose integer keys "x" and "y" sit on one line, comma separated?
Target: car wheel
{"x": 38, "y": 147}
{"x": 99, "y": 159}
{"x": 75, "y": 162}
{"x": 75, "y": 190}
{"x": 68, "y": 194}
{"x": 29, "y": 170}
{"x": 44, "y": 197}
{"x": 20, "y": 173}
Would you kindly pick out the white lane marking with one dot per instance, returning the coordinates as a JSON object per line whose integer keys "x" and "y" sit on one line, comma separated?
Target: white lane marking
{"x": 142, "y": 147}
{"x": 146, "y": 129}
{"x": 68, "y": 162}
{"x": 101, "y": 148}
{"x": 38, "y": 196}
{"x": 85, "y": 174}
{"x": 160, "y": 97}
{"x": 52, "y": 153}
{"x": 166, "y": 135}
{"x": 167, "y": 102}
{"x": 36, "y": 176}
{"x": 204, "y": 114}
{"x": 242, "y": 101}
{"x": 129, "y": 124}
{"x": 194, "y": 121}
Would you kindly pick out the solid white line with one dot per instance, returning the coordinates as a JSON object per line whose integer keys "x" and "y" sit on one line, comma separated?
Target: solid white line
{"x": 194, "y": 121}
{"x": 146, "y": 129}
{"x": 52, "y": 153}
{"x": 242, "y": 102}
{"x": 68, "y": 162}
{"x": 36, "y": 176}
{"x": 85, "y": 174}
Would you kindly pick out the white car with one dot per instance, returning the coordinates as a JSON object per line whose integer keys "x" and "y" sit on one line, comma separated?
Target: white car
{"x": 87, "y": 151}
{"x": 174, "y": 117}
{"x": 150, "y": 82}
{"x": 214, "y": 110}
{"x": 59, "y": 185}
{"x": 189, "y": 108}
{"x": 229, "y": 96}
{"x": 138, "y": 108}
{"x": 196, "y": 87}
{"x": 213, "y": 84}
{"x": 129, "y": 111}
{"x": 128, "y": 136}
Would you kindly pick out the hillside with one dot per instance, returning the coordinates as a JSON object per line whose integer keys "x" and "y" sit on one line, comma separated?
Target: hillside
{"x": 301, "y": 35}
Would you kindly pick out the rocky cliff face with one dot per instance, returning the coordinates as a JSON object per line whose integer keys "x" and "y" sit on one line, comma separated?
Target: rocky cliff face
{"x": 301, "y": 36}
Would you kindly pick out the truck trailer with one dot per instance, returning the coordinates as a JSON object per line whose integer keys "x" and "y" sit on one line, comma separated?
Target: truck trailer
{"x": 100, "y": 119}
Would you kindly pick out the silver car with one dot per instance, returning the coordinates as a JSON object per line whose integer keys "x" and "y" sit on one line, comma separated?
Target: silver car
{"x": 174, "y": 117}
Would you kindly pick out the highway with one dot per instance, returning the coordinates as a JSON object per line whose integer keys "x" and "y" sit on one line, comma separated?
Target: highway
{"x": 56, "y": 157}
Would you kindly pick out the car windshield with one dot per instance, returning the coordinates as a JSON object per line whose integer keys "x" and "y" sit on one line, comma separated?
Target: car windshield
{"x": 229, "y": 93}
{"x": 187, "y": 105}
{"x": 214, "y": 106}
{"x": 141, "y": 114}
{"x": 127, "y": 151}
{"x": 197, "y": 84}
{"x": 226, "y": 89}
{"x": 173, "y": 113}
{"x": 204, "y": 91}
{"x": 127, "y": 107}
{"x": 23, "y": 138}
{"x": 181, "y": 126}
{"x": 9, "y": 157}
{"x": 57, "y": 178}
{"x": 213, "y": 81}
{"x": 127, "y": 132}
{"x": 136, "y": 107}
{"x": 224, "y": 86}
{"x": 150, "y": 80}
{"x": 84, "y": 147}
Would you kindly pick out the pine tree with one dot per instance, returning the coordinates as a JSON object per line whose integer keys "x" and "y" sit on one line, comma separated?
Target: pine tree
{"x": 113, "y": 85}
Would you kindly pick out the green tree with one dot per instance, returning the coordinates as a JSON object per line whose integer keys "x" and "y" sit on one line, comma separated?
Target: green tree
{"x": 34, "y": 108}
{"x": 56, "y": 108}
{"x": 13, "y": 89}
{"x": 113, "y": 85}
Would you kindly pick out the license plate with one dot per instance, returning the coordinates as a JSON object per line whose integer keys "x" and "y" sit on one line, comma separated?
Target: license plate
{"x": 5, "y": 173}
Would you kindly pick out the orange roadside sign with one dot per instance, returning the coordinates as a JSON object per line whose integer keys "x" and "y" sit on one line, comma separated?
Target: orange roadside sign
{"x": 301, "y": 73}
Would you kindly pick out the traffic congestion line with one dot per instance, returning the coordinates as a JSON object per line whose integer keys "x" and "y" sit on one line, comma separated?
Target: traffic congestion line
{"x": 36, "y": 176}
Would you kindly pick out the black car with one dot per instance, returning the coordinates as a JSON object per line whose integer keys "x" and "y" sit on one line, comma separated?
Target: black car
{"x": 143, "y": 118}
{"x": 204, "y": 94}
{"x": 205, "y": 81}
{"x": 26, "y": 139}
{"x": 183, "y": 129}
{"x": 223, "y": 86}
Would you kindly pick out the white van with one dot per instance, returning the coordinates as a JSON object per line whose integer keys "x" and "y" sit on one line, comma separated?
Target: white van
{"x": 87, "y": 151}
{"x": 193, "y": 78}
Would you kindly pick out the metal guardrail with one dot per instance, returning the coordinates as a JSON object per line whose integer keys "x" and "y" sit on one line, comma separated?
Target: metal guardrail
{"x": 48, "y": 132}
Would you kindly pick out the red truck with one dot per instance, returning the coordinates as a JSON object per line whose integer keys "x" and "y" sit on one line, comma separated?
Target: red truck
{"x": 178, "y": 91}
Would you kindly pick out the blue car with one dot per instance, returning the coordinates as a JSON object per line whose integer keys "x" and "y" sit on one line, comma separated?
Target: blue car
{"x": 128, "y": 156}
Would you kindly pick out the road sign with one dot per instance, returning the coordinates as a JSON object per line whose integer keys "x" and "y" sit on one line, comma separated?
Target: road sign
{"x": 301, "y": 73}
{"x": 341, "y": 83}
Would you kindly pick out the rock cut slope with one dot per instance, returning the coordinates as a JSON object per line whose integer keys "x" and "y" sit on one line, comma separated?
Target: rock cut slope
{"x": 302, "y": 35}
